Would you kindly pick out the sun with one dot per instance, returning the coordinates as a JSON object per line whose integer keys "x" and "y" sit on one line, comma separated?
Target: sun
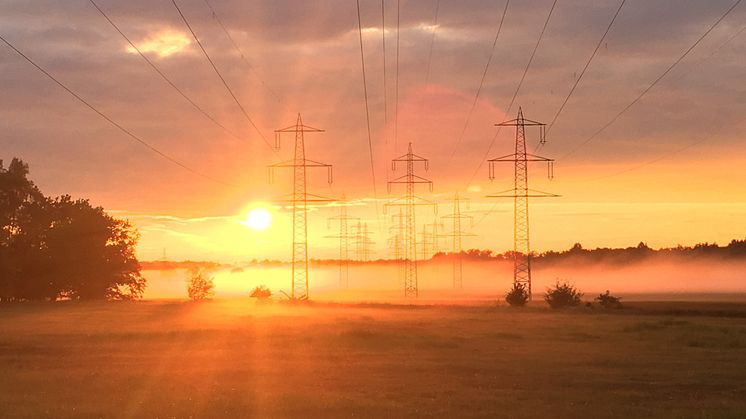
{"x": 258, "y": 219}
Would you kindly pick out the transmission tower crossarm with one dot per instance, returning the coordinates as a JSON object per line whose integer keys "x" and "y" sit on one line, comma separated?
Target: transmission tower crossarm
{"x": 299, "y": 128}
{"x": 529, "y": 157}
{"x": 516, "y": 194}
{"x": 300, "y": 163}
{"x": 410, "y": 179}
{"x": 516, "y": 122}
{"x": 409, "y": 157}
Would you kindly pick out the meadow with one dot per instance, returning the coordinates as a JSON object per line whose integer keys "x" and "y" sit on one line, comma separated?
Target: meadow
{"x": 236, "y": 358}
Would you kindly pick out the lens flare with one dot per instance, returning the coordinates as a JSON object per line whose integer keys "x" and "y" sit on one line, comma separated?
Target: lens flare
{"x": 258, "y": 219}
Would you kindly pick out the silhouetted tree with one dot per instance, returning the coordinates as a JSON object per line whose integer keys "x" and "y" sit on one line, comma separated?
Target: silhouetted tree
{"x": 261, "y": 293}
{"x": 563, "y": 295}
{"x": 200, "y": 286}
{"x": 61, "y": 248}
{"x": 517, "y": 296}
{"x": 607, "y": 300}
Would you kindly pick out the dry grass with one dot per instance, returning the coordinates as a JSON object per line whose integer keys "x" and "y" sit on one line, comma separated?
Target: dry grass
{"x": 233, "y": 359}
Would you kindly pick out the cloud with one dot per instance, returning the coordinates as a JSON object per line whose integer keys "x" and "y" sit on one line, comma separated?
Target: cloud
{"x": 163, "y": 43}
{"x": 308, "y": 54}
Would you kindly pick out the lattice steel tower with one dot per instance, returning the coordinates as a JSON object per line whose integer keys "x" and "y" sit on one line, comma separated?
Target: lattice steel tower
{"x": 363, "y": 242}
{"x": 436, "y": 234}
{"x": 409, "y": 202}
{"x": 344, "y": 237}
{"x": 397, "y": 239}
{"x": 300, "y": 199}
{"x": 521, "y": 194}
{"x": 457, "y": 233}
{"x": 431, "y": 234}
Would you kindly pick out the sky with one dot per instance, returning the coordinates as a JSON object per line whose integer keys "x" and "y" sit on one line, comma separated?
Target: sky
{"x": 668, "y": 171}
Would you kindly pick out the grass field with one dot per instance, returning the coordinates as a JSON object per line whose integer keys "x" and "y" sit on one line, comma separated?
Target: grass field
{"x": 235, "y": 359}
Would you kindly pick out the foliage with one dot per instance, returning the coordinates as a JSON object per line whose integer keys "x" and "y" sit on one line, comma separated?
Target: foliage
{"x": 52, "y": 248}
{"x": 200, "y": 286}
{"x": 261, "y": 292}
{"x": 517, "y": 296}
{"x": 607, "y": 300}
{"x": 563, "y": 295}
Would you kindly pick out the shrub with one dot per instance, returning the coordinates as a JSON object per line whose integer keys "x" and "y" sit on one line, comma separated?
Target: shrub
{"x": 200, "y": 286}
{"x": 563, "y": 295}
{"x": 517, "y": 296}
{"x": 607, "y": 300}
{"x": 261, "y": 292}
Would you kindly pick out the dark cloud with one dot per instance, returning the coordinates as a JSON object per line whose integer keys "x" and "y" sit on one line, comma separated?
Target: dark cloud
{"x": 307, "y": 52}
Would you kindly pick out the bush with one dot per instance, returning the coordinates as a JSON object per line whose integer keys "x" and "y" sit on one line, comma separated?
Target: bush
{"x": 563, "y": 295}
{"x": 261, "y": 293}
{"x": 200, "y": 286}
{"x": 609, "y": 301}
{"x": 517, "y": 296}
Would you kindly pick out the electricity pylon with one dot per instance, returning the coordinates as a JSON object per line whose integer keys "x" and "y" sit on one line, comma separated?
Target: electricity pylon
{"x": 363, "y": 242}
{"x": 409, "y": 202}
{"x": 397, "y": 239}
{"x": 430, "y": 239}
{"x": 344, "y": 237}
{"x": 436, "y": 234}
{"x": 521, "y": 194}
{"x": 457, "y": 233}
{"x": 426, "y": 242}
{"x": 300, "y": 199}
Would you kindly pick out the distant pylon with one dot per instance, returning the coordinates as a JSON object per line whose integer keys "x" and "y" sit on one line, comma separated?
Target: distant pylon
{"x": 430, "y": 242}
{"x": 344, "y": 237}
{"x": 426, "y": 242}
{"x": 410, "y": 201}
{"x": 521, "y": 193}
{"x": 457, "y": 233}
{"x": 300, "y": 199}
{"x": 396, "y": 241}
{"x": 363, "y": 242}
{"x": 436, "y": 232}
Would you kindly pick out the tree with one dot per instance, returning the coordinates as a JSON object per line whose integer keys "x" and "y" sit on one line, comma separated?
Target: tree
{"x": 517, "y": 296}
{"x": 61, "y": 248}
{"x": 562, "y": 295}
{"x": 607, "y": 300}
{"x": 261, "y": 292}
{"x": 200, "y": 286}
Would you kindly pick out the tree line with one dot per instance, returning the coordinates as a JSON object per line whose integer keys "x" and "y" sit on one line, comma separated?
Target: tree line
{"x": 55, "y": 248}
{"x": 736, "y": 249}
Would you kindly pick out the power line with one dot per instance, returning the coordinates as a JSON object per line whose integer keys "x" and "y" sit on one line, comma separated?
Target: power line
{"x": 111, "y": 121}
{"x": 385, "y": 90}
{"x": 481, "y": 83}
{"x": 515, "y": 94}
{"x": 655, "y": 82}
{"x": 654, "y": 160}
{"x": 588, "y": 63}
{"x": 430, "y": 53}
{"x": 163, "y": 76}
{"x": 227, "y": 87}
{"x": 240, "y": 52}
{"x": 367, "y": 109}
{"x": 686, "y": 146}
{"x": 396, "y": 82}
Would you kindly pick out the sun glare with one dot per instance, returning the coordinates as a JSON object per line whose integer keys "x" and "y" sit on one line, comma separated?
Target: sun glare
{"x": 258, "y": 219}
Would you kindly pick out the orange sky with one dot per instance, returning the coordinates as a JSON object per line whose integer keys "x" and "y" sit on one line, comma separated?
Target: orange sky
{"x": 669, "y": 171}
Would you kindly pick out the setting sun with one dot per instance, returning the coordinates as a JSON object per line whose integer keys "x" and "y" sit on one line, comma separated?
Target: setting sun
{"x": 258, "y": 219}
